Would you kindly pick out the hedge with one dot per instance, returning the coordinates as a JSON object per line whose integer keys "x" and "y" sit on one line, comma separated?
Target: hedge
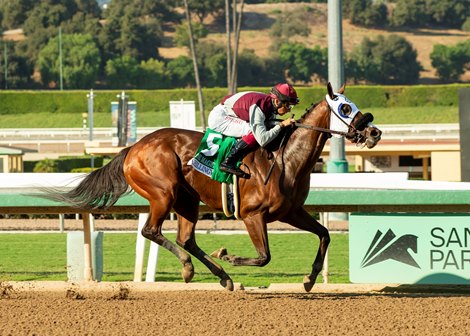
{"x": 13, "y": 102}
{"x": 66, "y": 164}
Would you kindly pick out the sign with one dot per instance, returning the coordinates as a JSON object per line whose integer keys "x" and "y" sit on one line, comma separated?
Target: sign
{"x": 409, "y": 248}
{"x": 183, "y": 114}
{"x": 131, "y": 122}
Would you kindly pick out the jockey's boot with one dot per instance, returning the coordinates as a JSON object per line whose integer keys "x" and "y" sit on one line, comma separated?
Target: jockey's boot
{"x": 238, "y": 152}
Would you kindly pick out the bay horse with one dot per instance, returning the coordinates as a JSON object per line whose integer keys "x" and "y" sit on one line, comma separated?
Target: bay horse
{"x": 156, "y": 167}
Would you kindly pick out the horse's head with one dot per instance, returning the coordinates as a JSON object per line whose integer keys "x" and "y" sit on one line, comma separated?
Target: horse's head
{"x": 347, "y": 118}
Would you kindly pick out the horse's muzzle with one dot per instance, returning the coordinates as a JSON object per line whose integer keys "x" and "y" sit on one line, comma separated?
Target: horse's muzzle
{"x": 372, "y": 136}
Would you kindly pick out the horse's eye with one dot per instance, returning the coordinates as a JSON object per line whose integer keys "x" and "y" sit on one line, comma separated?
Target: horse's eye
{"x": 346, "y": 109}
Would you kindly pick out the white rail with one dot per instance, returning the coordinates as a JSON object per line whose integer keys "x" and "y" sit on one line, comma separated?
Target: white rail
{"x": 438, "y": 131}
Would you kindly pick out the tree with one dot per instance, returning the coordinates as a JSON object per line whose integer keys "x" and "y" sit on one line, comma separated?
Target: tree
{"x": 301, "y": 62}
{"x": 152, "y": 75}
{"x": 232, "y": 44}
{"x": 203, "y": 8}
{"x": 15, "y": 13}
{"x": 195, "y": 64}
{"x": 181, "y": 71}
{"x": 387, "y": 60}
{"x": 181, "y": 38}
{"x": 411, "y": 13}
{"x": 448, "y": 13}
{"x": 366, "y": 13}
{"x": 252, "y": 69}
{"x": 122, "y": 72}
{"x": 130, "y": 31}
{"x": 419, "y": 13}
{"x": 451, "y": 61}
{"x": 81, "y": 59}
{"x": 19, "y": 70}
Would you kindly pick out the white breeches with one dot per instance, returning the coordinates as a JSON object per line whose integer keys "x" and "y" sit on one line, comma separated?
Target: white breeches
{"x": 227, "y": 123}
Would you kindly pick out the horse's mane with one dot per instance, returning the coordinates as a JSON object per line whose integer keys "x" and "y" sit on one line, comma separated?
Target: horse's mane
{"x": 288, "y": 131}
{"x": 308, "y": 110}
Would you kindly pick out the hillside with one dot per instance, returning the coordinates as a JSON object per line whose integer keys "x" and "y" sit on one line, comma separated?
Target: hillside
{"x": 259, "y": 18}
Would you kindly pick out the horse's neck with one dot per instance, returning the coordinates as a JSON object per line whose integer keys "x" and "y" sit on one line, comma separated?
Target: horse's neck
{"x": 306, "y": 145}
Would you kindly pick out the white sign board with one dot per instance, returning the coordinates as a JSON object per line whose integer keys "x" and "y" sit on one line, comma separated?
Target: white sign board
{"x": 183, "y": 114}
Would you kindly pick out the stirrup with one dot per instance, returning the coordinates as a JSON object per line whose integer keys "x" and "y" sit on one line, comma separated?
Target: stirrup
{"x": 235, "y": 171}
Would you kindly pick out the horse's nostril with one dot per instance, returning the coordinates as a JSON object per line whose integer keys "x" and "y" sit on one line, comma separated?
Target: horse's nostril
{"x": 375, "y": 133}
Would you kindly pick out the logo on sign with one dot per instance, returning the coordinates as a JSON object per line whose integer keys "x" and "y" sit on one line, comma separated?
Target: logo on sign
{"x": 388, "y": 246}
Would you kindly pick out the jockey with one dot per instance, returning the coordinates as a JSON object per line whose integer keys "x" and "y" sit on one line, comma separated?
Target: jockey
{"x": 245, "y": 115}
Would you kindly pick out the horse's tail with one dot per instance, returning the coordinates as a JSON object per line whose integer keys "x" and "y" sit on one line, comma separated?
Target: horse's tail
{"x": 100, "y": 189}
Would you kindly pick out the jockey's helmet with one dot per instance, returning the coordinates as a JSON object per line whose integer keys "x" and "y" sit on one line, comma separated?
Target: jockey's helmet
{"x": 285, "y": 93}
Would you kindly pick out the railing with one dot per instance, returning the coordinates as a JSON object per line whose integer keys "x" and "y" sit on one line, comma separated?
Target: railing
{"x": 438, "y": 131}
{"x": 335, "y": 193}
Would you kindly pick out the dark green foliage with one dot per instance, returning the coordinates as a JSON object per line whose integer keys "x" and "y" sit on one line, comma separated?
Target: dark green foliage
{"x": 153, "y": 75}
{"x": 366, "y": 13}
{"x": 386, "y": 60}
{"x": 202, "y": 8}
{"x": 451, "y": 61}
{"x": 466, "y": 25}
{"x": 421, "y": 13}
{"x": 122, "y": 72}
{"x": 182, "y": 36}
{"x": 126, "y": 34}
{"x": 181, "y": 71}
{"x": 80, "y": 61}
{"x": 14, "y": 13}
{"x": 64, "y": 164}
{"x": 301, "y": 62}
{"x": 19, "y": 70}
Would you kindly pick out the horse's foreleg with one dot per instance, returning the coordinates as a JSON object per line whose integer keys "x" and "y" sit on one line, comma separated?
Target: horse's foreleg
{"x": 187, "y": 240}
{"x": 258, "y": 232}
{"x": 302, "y": 220}
{"x": 153, "y": 231}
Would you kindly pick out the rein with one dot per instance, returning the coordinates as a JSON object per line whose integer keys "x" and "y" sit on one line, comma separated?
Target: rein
{"x": 313, "y": 128}
{"x": 321, "y": 129}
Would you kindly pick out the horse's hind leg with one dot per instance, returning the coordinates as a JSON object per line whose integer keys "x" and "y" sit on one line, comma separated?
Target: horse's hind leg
{"x": 153, "y": 231}
{"x": 302, "y": 220}
{"x": 187, "y": 218}
{"x": 256, "y": 227}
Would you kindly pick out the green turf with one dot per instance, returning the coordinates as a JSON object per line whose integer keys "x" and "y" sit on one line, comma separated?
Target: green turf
{"x": 42, "y": 256}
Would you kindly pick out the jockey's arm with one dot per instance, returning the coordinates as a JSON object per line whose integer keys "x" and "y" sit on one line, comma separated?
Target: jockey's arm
{"x": 262, "y": 134}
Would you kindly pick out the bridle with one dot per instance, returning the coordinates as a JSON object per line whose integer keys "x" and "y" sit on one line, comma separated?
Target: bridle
{"x": 352, "y": 129}
{"x": 352, "y": 133}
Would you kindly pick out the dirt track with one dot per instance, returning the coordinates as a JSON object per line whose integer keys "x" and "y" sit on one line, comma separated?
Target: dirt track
{"x": 139, "y": 309}
{"x": 125, "y": 311}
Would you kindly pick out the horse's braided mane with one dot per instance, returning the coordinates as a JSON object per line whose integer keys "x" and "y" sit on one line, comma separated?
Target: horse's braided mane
{"x": 308, "y": 110}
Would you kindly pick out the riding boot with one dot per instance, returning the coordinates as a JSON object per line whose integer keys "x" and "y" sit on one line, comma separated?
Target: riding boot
{"x": 238, "y": 152}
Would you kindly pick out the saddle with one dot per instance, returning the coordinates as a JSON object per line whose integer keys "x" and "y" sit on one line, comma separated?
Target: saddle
{"x": 213, "y": 150}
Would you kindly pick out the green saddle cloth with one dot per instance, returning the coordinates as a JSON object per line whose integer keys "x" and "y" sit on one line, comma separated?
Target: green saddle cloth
{"x": 213, "y": 150}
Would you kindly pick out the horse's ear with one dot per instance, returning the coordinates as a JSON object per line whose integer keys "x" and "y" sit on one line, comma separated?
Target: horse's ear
{"x": 330, "y": 91}
{"x": 341, "y": 90}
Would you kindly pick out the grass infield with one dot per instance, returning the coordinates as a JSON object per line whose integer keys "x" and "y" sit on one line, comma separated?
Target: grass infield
{"x": 42, "y": 256}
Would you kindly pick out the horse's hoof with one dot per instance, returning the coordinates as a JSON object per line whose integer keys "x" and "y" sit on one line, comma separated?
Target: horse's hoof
{"x": 308, "y": 283}
{"x": 187, "y": 272}
{"x": 227, "y": 284}
{"x": 219, "y": 253}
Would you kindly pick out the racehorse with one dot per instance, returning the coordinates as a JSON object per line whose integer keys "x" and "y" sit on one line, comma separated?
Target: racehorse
{"x": 156, "y": 167}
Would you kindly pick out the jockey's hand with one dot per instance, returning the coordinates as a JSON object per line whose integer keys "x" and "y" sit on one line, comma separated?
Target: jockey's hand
{"x": 287, "y": 122}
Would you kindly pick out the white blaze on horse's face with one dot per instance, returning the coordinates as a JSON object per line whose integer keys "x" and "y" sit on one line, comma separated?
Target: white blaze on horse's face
{"x": 340, "y": 120}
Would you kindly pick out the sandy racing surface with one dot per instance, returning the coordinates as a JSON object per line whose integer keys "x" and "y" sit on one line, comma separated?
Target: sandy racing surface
{"x": 144, "y": 309}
